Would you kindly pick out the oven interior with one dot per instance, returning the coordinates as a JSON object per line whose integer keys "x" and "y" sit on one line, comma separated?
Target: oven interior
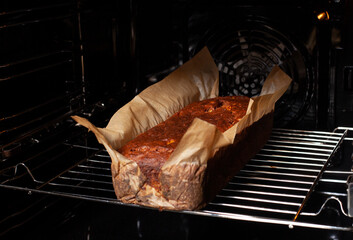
{"x": 89, "y": 58}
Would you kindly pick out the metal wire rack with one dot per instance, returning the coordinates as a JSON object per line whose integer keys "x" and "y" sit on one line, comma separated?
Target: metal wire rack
{"x": 274, "y": 187}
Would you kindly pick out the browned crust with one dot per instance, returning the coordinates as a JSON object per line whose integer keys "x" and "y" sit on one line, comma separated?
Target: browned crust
{"x": 151, "y": 149}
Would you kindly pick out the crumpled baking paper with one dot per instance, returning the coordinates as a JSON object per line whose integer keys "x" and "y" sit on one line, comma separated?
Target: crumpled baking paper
{"x": 186, "y": 175}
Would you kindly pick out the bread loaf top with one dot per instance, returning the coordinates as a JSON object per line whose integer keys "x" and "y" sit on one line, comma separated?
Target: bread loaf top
{"x": 151, "y": 149}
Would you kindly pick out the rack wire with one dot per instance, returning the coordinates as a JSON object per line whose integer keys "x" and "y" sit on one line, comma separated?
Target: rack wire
{"x": 274, "y": 187}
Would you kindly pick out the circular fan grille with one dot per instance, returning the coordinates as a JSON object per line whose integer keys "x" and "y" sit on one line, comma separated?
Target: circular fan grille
{"x": 245, "y": 54}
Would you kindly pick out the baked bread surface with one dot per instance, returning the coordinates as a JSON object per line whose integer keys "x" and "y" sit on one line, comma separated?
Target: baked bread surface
{"x": 151, "y": 149}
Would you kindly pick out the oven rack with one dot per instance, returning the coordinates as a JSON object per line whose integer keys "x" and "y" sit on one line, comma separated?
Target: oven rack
{"x": 274, "y": 187}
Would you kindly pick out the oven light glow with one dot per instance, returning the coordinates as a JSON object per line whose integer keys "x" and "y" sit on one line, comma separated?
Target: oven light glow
{"x": 323, "y": 16}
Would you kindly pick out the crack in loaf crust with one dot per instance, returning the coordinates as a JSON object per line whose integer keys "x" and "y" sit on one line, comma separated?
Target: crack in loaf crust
{"x": 151, "y": 149}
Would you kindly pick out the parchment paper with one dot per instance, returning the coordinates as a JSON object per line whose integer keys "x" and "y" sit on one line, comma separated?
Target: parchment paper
{"x": 182, "y": 176}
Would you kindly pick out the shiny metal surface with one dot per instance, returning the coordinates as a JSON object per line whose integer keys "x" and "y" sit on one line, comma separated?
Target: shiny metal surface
{"x": 273, "y": 187}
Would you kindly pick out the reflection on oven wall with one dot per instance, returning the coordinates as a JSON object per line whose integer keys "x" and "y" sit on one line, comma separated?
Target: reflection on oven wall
{"x": 310, "y": 40}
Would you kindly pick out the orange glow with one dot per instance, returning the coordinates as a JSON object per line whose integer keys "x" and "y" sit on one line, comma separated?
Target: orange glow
{"x": 170, "y": 141}
{"x": 323, "y": 16}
